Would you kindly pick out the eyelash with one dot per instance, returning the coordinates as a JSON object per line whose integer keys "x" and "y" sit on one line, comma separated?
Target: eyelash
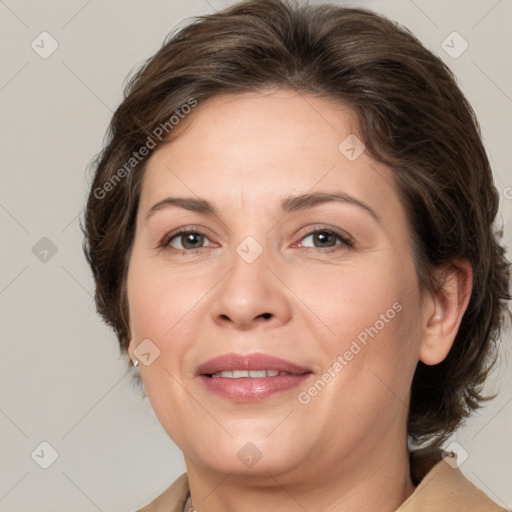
{"x": 346, "y": 241}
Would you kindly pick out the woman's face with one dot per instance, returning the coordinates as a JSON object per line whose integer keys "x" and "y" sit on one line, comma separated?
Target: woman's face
{"x": 273, "y": 266}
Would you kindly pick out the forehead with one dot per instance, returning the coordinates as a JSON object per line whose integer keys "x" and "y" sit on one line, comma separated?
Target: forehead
{"x": 259, "y": 147}
{"x": 269, "y": 120}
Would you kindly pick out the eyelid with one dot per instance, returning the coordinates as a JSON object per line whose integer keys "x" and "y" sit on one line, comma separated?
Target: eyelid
{"x": 309, "y": 230}
{"x": 345, "y": 238}
{"x": 165, "y": 243}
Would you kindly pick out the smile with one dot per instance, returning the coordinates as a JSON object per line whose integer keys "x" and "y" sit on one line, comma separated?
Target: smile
{"x": 252, "y": 374}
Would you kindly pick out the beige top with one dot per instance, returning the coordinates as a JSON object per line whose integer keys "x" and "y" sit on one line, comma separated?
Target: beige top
{"x": 440, "y": 488}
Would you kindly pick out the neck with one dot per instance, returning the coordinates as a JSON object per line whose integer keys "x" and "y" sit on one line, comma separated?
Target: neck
{"x": 363, "y": 482}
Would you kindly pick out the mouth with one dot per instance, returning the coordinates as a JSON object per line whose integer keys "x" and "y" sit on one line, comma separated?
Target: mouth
{"x": 250, "y": 377}
{"x": 252, "y": 374}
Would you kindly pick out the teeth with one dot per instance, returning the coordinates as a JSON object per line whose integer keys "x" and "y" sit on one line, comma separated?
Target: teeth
{"x": 257, "y": 374}
{"x": 254, "y": 374}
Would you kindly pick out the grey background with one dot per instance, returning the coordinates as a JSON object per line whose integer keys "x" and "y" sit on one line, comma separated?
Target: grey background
{"x": 61, "y": 378}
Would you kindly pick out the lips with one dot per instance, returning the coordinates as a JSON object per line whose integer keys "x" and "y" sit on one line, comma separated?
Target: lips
{"x": 250, "y": 362}
{"x": 251, "y": 377}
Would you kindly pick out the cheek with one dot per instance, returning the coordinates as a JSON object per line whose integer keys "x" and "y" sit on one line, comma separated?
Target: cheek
{"x": 349, "y": 298}
{"x": 367, "y": 314}
{"x": 162, "y": 300}
{"x": 161, "y": 303}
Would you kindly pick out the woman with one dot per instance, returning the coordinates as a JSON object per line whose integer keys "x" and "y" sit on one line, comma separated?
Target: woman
{"x": 291, "y": 233}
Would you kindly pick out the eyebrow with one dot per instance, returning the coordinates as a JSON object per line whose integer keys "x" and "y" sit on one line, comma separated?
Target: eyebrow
{"x": 288, "y": 204}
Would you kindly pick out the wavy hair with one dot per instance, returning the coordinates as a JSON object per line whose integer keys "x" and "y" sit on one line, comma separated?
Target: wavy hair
{"x": 411, "y": 116}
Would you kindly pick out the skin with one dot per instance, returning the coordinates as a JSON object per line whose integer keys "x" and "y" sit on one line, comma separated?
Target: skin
{"x": 346, "y": 449}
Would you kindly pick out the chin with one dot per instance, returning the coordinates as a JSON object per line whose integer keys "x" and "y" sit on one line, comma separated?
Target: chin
{"x": 246, "y": 455}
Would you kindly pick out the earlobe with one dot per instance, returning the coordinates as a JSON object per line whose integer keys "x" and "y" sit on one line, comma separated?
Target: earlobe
{"x": 131, "y": 352}
{"x": 449, "y": 304}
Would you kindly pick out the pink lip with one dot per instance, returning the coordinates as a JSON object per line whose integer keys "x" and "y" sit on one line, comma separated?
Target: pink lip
{"x": 257, "y": 361}
{"x": 250, "y": 389}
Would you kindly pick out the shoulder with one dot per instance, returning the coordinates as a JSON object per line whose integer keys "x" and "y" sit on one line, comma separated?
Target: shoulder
{"x": 442, "y": 486}
{"x": 172, "y": 499}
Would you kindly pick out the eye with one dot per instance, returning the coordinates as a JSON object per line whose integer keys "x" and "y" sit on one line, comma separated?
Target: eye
{"x": 325, "y": 238}
{"x": 192, "y": 240}
{"x": 186, "y": 240}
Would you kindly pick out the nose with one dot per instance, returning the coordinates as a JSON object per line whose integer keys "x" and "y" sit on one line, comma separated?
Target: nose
{"x": 250, "y": 294}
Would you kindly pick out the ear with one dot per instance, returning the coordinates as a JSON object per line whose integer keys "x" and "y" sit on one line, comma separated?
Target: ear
{"x": 445, "y": 310}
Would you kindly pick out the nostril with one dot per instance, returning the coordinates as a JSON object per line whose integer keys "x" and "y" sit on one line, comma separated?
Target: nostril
{"x": 266, "y": 315}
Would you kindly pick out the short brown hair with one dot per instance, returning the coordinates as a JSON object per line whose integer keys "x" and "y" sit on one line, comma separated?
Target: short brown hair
{"x": 411, "y": 116}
